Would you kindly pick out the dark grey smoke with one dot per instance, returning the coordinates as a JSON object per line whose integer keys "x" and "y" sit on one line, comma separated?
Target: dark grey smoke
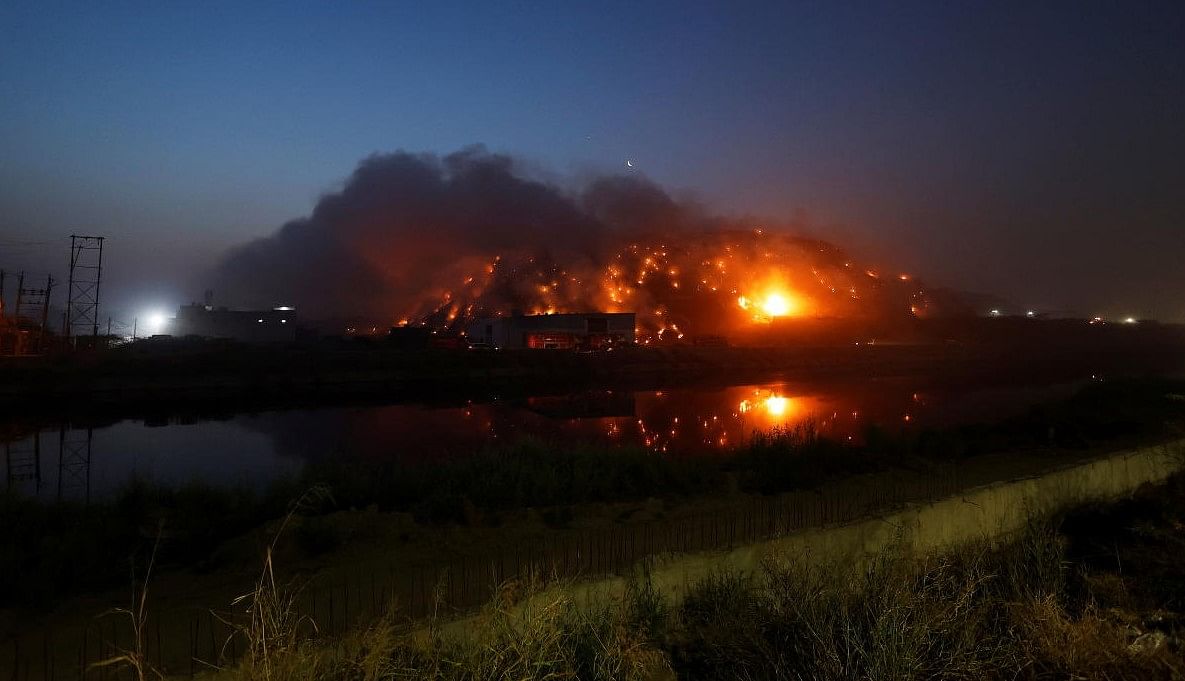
{"x": 406, "y": 225}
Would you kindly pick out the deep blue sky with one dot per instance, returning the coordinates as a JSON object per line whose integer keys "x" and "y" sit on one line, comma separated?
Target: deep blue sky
{"x": 1032, "y": 152}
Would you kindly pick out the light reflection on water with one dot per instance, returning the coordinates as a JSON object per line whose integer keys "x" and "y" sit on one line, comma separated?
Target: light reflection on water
{"x": 252, "y": 450}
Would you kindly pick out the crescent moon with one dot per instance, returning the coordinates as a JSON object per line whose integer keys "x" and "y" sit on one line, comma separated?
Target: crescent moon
{"x": 629, "y": 163}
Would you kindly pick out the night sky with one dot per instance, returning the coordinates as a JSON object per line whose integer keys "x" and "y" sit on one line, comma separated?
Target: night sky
{"x": 1037, "y": 153}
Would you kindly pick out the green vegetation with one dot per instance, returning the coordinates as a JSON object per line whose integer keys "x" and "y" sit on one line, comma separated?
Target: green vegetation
{"x": 527, "y": 474}
{"x": 1045, "y": 604}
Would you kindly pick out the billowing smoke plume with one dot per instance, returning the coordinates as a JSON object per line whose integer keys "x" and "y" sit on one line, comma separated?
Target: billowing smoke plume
{"x": 417, "y": 238}
{"x": 400, "y": 223}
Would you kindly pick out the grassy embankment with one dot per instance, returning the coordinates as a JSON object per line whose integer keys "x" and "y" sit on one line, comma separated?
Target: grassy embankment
{"x": 1098, "y": 592}
{"x": 88, "y": 547}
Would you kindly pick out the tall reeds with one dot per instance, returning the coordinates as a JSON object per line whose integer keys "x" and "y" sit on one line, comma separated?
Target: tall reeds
{"x": 270, "y": 621}
{"x": 980, "y": 611}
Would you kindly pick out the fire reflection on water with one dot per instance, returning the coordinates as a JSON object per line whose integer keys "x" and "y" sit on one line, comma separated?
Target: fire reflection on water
{"x": 671, "y": 422}
{"x": 728, "y": 417}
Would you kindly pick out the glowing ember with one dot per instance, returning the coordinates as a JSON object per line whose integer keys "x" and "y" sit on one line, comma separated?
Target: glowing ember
{"x": 702, "y": 283}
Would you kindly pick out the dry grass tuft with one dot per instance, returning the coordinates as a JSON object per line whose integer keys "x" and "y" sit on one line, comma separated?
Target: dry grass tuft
{"x": 271, "y": 623}
{"x": 544, "y": 637}
{"x": 135, "y": 658}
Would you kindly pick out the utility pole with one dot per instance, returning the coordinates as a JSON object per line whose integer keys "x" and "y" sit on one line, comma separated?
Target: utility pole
{"x": 20, "y": 290}
{"x": 31, "y": 313}
{"x": 44, "y": 313}
{"x": 86, "y": 273}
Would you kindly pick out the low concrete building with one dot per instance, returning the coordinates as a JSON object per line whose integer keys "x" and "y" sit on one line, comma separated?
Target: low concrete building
{"x": 277, "y": 325}
{"x": 577, "y": 331}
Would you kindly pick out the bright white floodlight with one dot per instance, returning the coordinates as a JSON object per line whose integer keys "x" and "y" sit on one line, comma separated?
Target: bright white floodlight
{"x": 157, "y": 321}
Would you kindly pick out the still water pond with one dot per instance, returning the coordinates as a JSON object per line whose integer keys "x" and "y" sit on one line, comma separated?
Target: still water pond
{"x": 254, "y": 449}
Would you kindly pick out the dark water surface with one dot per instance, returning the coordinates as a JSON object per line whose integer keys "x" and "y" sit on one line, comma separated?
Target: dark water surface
{"x": 254, "y": 449}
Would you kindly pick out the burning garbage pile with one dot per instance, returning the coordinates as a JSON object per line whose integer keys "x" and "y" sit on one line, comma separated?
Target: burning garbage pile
{"x": 700, "y": 283}
{"x": 443, "y": 241}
